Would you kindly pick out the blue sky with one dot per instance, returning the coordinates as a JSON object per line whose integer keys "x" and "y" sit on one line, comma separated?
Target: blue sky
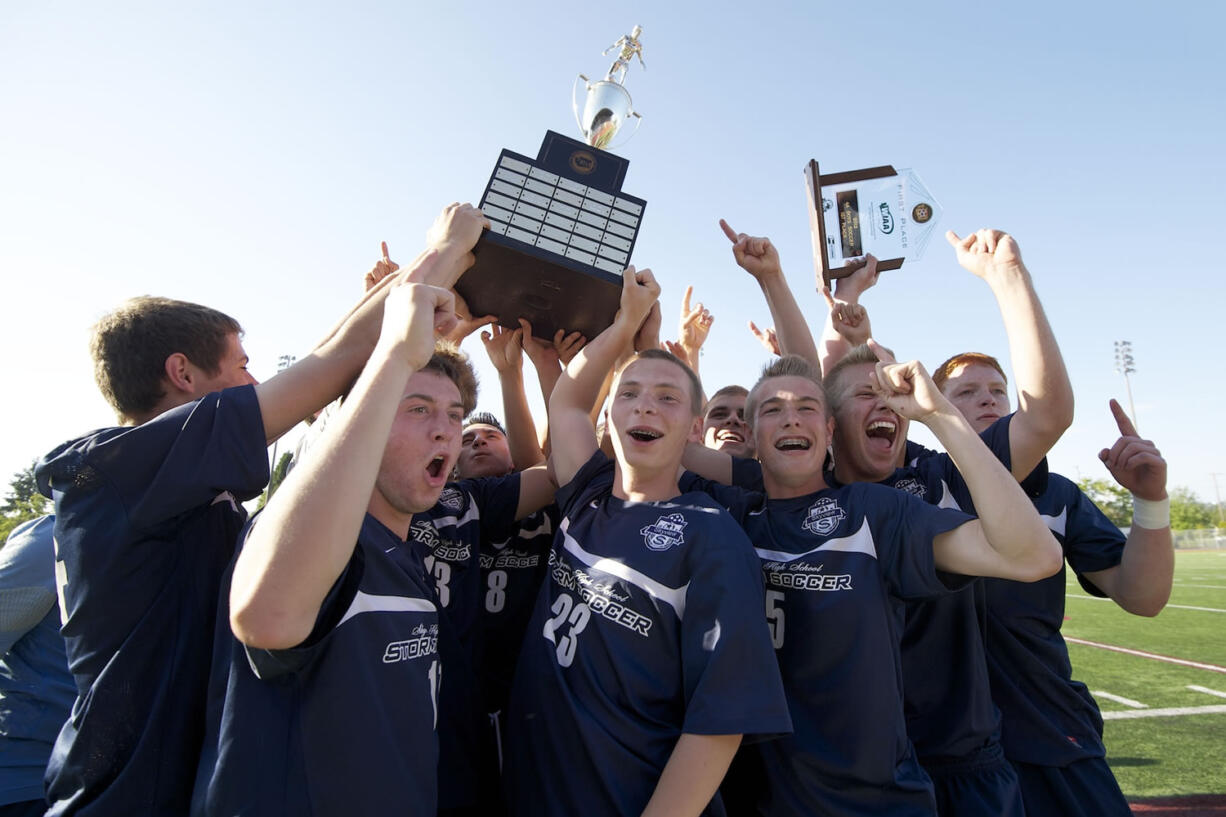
{"x": 252, "y": 156}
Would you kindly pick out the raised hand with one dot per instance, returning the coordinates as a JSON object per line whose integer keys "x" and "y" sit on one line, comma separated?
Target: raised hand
{"x": 640, "y": 291}
{"x": 756, "y": 255}
{"x": 695, "y": 325}
{"x": 767, "y": 338}
{"x": 504, "y": 348}
{"x": 849, "y": 288}
{"x": 906, "y": 388}
{"x": 566, "y": 346}
{"x": 458, "y": 226}
{"x": 648, "y": 336}
{"x": 384, "y": 267}
{"x": 850, "y": 320}
{"x": 1134, "y": 463}
{"x": 985, "y": 252}
{"x": 413, "y": 315}
{"x": 466, "y": 324}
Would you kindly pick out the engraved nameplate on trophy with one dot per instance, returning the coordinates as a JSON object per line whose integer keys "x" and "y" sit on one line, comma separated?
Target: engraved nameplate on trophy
{"x": 561, "y": 228}
{"x": 880, "y": 211}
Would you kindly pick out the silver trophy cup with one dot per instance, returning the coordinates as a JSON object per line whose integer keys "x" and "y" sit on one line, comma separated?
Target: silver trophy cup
{"x": 606, "y": 107}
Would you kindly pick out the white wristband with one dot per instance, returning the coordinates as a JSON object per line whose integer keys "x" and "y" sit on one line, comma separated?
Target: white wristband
{"x": 1151, "y": 514}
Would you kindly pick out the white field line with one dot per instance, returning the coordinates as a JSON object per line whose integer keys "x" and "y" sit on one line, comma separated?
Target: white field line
{"x": 1168, "y": 659}
{"x": 1127, "y": 714}
{"x": 1206, "y": 690}
{"x": 1206, "y": 586}
{"x": 1120, "y": 699}
{"x": 1169, "y": 606}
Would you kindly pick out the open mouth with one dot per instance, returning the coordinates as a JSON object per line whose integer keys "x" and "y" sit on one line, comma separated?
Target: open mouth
{"x": 730, "y": 437}
{"x": 793, "y": 444}
{"x": 883, "y": 430}
{"x": 435, "y": 467}
{"x": 644, "y": 435}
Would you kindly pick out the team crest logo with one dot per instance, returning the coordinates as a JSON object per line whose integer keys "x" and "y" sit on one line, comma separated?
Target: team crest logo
{"x": 921, "y": 213}
{"x": 887, "y": 219}
{"x": 582, "y": 162}
{"x": 911, "y": 486}
{"x": 824, "y": 516}
{"x": 667, "y": 531}
{"x": 451, "y": 499}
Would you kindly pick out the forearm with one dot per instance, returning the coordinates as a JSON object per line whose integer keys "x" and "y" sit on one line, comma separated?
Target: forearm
{"x": 1045, "y": 395}
{"x": 521, "y": 430}
{"x": 1142, "y": 582}
{"x": 1009, "y": 521}
{"x": 834, "y": 347}
{"x": 313, "y": 382}
{"x": 692, "y": 775}
{"x": 795, "y": 337}
{"x": 306, "y": 534}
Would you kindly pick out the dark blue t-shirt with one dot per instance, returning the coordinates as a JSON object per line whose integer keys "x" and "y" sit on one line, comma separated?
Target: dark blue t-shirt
{"x": 838, "y": 565}
{"x": 948, "y": 698}
{"x": 648, "y": 626}
{"x": 1048, "y": 718}
{"x": 146, "y": 521}
{"x": 448, "y": 537}
{"x": 343, "y": 723}
{"x": 36, "y": 689}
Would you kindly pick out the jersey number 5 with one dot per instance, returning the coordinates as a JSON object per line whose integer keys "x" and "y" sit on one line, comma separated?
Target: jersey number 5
{"x": 774, "y": 616}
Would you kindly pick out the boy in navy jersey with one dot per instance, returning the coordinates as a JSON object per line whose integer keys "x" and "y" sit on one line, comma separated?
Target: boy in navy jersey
{"x": 324, "y": 700}
{"x": 147, "y": 515}
{"x": 644, "y": 662}
{"x": 1051, "y": 727}
{"x": 839, "y": 564}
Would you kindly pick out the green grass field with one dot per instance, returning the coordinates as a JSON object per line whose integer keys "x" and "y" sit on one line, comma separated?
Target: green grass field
{"x": 1155, "y": 753}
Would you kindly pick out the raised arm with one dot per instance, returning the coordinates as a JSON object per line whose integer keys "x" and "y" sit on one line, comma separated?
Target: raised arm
{"x": 759, "y": 258}
{"x": 571, "y": 428}
{"x": 507, "y": 356}
{"x": 1009, "y": 539}
{"x": 843, "y": 304}
{"x": 1141, "y": 582}
{"x": 306, "y": 534}
{"x": 1044, "y": 393}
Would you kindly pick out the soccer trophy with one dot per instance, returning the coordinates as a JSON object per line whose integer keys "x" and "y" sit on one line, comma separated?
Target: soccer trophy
{"x": 886, "y": 212}
{"x": 561, "y": 229}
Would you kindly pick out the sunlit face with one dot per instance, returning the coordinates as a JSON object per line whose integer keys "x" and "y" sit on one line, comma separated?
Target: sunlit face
{"x": 651, "y": 415}
{"x": 979, "y": 392}
{"x": 869, "y": 439}
{"x": 423, "y": 446}
{"x": 792, "y": 431}
{"x": 724, "y": 428}
{"x": 231, "y": 371}
{"x": 483, "y": 453}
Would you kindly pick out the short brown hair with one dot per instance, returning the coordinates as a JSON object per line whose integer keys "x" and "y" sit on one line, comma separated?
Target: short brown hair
{"x": 663, "y": 354}
{"x": 786, "y": 366}
{"x": 858, "y": 355}
{"x": 454, "y": 365}
{"x": 739, "y": 391}
{"x": 946, "y": 369}
{"x": 130, "y": 345}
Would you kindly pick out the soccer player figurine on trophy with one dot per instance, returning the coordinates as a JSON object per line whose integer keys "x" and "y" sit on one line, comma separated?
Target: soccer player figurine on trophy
{"x": 561, "y": 229}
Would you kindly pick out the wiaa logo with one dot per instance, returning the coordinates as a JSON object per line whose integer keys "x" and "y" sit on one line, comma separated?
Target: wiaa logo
{"x": 887, "y": 218}
{"x": 583, "y": 162}
{"x": 666, "y": 532}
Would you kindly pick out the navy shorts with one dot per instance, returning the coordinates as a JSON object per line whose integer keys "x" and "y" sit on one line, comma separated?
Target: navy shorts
{"x": 980, "y": 785}
{"x": 1085, "y": 788}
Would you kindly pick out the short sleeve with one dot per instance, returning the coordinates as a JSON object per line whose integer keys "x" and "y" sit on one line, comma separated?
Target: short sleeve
{"x": 27, "y": 579}
{"x": 905, "y": 545}
{"x": 1091, "y": 541}
{"x": 730, "y": 674}
{"x": 497, "y": 500}
{"x": 593, "y": 477}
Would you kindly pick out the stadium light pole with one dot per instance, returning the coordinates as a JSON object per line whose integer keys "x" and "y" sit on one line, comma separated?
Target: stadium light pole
{"x": 1218, "y": 496}
{"x": 1125, "y": 365}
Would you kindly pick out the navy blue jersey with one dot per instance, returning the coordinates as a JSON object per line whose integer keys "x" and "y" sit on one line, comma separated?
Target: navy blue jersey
{"x": 1049, "y": 719}
{"x": 345, "y": 722}
{"x": 448, "y": 537}
{"x": 647, "y": 627}
{"x": 838, "y": 566}
{"x": 950, "y": 712}
{"x": 511, "y": 572}
{"x": 146, "y": 521}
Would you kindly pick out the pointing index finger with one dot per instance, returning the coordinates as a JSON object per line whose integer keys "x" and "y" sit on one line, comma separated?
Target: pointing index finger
{"x": 1122, "y": 420}
{"x": 728, "y": 231}
{"x": 383, "y": 249}
{"x": 685, "y": 300}
{"x": 881, "y": 352}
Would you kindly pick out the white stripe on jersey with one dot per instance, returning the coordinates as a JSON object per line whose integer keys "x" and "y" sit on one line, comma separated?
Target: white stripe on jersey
{"x": 859, "y": 542}
{"x": 673, "y": 596}
{"x": 1056, "y": 524}
{"x": 366, "y": 603}
{"x": 947, "y": 498}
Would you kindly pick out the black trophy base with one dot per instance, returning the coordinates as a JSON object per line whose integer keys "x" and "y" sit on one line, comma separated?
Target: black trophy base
{"x": 512, "y": 280}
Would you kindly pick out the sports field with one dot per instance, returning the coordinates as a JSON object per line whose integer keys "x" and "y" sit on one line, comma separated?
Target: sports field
{"x": 1161, "y": 684}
